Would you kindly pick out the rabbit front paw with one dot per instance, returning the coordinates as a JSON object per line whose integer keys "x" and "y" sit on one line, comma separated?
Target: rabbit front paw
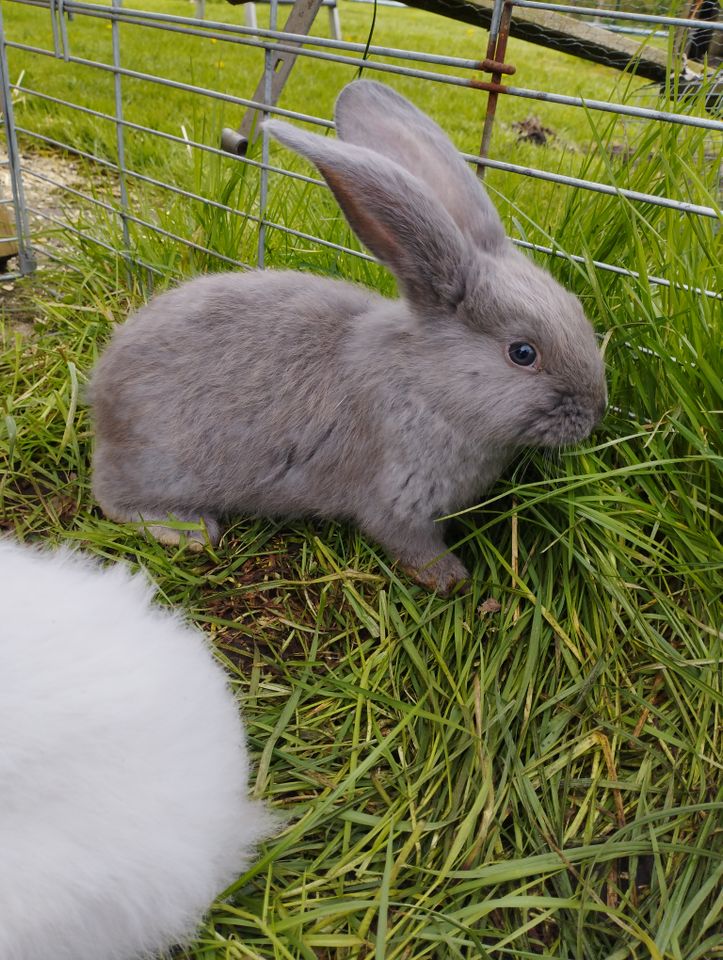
{"x": 421, "y": 553}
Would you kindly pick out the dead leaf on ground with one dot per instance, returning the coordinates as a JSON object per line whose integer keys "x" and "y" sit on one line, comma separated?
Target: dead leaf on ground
{"x": 531, "y": 130}
{"x": 490, "y": 605}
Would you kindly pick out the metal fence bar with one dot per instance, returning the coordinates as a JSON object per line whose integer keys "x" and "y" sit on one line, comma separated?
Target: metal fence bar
{"x": 153, "y": 131}
{"x": 109, "y": 208}
{"x": 65, "y": 225}
{"x": 123, "y": 213}
{"x": 54, "y": 28}
{"x": 179, "y": 85}
{"x": 142, "y": 16}
{"x": 65, "y": 42}
{"x": 114, "y": 210}
{"x": 606, "y": 13}
{"x": 550, "y": 251}
{"x": 527, "y": 245}
{"x": 119, "y": 133}
{"x": 324, "y": 243}
{"x": 496, "y": 48}
{"x": 520, "y": 170}
{"x": 586, "y": 103}
{"x": 110, "y": 165}
{"x": 264, "y": 177}
{"x": 300, "y": 52}
{"x": 26, "y": 259}
{"x": 263, "y": 38}
{"x": 635, "y": 31}
{"x": 28, "y": 171}
{"x": 149, "y": 226}
{"x": 220, "y": 30}
{"x": 605, "y": 106}
{"x": 52, "y": 142}
{"x": 597, "y": 187}
{"x": 514, "y": 91}
{"x": 51, "y": 254}
{"x": 613, "y": 268}
{"x": 273, "y": 41}
{"x": 375, "y": 50}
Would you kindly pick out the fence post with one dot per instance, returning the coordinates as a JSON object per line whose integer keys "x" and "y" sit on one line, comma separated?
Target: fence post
{"x": 264, "y": 179}
{"x": 120, "y": 137}
{"x": 26, "y": 258}
{"x": 496, "y": 50}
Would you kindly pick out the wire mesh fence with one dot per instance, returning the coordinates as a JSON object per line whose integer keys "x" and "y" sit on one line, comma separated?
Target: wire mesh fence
{"x": 159, "y": 112}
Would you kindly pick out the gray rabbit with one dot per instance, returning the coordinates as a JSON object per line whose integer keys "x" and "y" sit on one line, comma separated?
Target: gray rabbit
{"x": 281, "y": 393}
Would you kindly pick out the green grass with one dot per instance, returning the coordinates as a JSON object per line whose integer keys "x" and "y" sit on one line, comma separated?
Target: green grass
{"x": 461, "y": 781}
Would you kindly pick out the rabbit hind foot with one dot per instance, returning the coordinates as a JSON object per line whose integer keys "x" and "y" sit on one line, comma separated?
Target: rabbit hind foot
{"x": 207, "y": 532}
{"x": 206, "y": 529}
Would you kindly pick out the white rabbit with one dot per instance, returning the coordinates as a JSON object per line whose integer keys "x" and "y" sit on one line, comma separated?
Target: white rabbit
{"x": 123, "y": 770}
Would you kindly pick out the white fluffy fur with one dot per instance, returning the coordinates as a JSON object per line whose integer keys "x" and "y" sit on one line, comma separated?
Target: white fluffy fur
{"x": 123, "y": 769}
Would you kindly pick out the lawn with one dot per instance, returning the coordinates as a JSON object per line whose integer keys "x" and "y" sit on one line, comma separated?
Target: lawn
{"x": 529, "y": 770}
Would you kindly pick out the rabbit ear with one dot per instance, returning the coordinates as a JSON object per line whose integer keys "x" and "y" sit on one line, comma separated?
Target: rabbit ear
{"x": 372, "y": 115}
{"x": 392, "y": 213}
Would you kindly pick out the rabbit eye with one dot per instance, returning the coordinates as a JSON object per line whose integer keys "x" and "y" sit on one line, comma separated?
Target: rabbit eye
{"x": 523, "y": 354}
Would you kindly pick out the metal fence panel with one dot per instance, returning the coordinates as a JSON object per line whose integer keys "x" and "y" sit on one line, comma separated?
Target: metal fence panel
{"x": 116, "y": 220}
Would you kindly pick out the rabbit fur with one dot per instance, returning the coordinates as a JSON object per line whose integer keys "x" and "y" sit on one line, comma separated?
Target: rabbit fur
{"x": 123, "y": 768}
{"x": 284, "y": 393}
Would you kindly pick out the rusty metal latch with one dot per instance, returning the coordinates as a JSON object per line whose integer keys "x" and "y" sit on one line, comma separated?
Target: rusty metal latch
{"x": 496, "y": 50}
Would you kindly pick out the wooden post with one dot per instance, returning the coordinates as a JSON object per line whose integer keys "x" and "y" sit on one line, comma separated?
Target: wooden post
{"x": 8, "y": 248}
{"x": 561, "y": 32}
{"x": 300, "y": 20}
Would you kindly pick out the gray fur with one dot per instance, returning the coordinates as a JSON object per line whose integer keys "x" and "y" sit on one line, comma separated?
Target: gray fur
{"x": 375, "y": 116}
{"x": 281, "y": 393}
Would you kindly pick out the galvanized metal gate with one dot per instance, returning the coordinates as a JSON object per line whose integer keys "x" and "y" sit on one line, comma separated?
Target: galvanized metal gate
{"x": 279, "y": 49}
